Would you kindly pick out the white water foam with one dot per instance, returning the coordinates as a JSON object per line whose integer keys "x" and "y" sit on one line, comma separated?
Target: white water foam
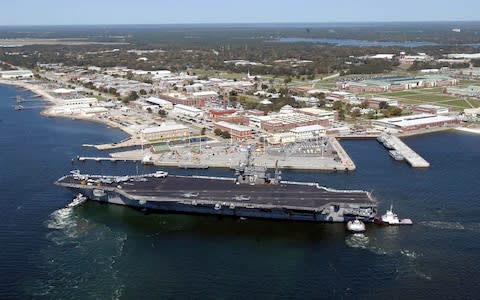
{"x": 409, "y": 253}
{"x": 361, "y": 241}
{"x": 82, "y": 238}
{"x": 61, "y": 219}
{"x": 443, "y": 225}
{"x": 423, "y": 275}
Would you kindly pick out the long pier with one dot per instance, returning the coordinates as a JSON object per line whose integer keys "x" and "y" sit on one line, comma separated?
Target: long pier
{"x": 100, "y": 159}
{"x": 415, "y": 160}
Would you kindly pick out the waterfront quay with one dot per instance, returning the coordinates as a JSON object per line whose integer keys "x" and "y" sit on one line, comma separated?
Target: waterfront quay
{"x": 415, "y": 160}
{"x": 324, "y": 155}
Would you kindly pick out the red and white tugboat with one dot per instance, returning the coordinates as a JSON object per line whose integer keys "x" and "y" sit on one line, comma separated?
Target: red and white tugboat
{"x": 391, "y": 218}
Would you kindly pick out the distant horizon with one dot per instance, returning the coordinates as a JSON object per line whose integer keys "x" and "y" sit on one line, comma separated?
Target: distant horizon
{"x": 245, "y": 23}
{"x": 174, "y": 12}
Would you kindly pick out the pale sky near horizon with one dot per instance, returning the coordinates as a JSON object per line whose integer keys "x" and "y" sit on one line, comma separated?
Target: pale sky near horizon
{"x": 70, "y": 12}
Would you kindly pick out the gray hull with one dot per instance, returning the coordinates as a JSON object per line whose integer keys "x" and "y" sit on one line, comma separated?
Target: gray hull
{"x": 328, "y": 211}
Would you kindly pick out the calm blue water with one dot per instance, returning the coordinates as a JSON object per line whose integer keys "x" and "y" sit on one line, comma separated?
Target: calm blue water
{"x": 104, "y": 252}
{"x": 355, "y": 43}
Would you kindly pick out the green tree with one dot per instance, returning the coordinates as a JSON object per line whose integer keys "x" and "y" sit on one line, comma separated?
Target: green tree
{"x": 394, "y": 111}
{"x": 225, "y": 134}
{"x": 337, "y": 105}
{"x": 131, "y": 97}
{"x": 217, "y": 131}
{"x": 355, "y": 113}
{"x": 383, "y": 105}
{"x": 364, "y": 104}
{"x": 321, "y": 103}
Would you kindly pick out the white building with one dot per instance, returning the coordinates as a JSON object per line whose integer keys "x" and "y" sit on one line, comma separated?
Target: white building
{"x": 281, "y": 138}
{"x": 287, "y": 109}
{"x": 303, "y": 133}
{"x": 165, "y": 132}
{"x": 15, "y": 74}
{"x": 188, "y": 111}
{"x": 205, "y": 94}
{"x": 472, "y": 112}
{"x": 416, "y": 122}
{"x": 80, "y": 105}
{"x": 160, "y": 102}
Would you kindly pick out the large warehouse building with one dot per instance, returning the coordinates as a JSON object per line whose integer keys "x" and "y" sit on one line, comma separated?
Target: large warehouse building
{"x": 416, "y": 122}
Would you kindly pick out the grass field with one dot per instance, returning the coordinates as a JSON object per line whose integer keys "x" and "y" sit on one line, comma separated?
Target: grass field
{"x": 460, "y": 104}
{"x": 430, "y": 97}
{"x": 399, "y": 94}
{"x": 468, "y": 82}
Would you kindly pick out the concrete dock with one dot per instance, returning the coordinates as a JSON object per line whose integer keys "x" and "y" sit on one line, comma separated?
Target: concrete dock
{"x": 307, "y": 156}
{"x": 415, "y": 160}
{"x": 100, "y": 159}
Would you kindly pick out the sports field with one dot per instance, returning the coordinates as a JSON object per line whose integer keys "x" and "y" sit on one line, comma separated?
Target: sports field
{"x": 430, "y": 96}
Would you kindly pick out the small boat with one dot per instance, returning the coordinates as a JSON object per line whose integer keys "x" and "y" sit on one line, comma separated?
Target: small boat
{"x": 396, "y": 155}
{"x": 79, "y": 199}
{"x": 241, "y": 198}
{"x": 391, "y": 218}
{"x": 356, "y": 226}
{"x": 160, "y": 174}
{"x": 387, "y": 145}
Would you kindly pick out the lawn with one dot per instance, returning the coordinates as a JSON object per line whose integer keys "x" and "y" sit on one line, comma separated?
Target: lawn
{"x": 457, "y": 104}
{"x": 429, "y": 97}
{"x": 468, "y": 82}
{"x": 437, "y": 90}
{"x": 400, "y": 94}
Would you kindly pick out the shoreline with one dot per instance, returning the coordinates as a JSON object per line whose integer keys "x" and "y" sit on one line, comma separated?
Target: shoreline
{"x": 469, "y": 130}
{"x": 346, "y": 163}
{"x": 56, "y": 101}
{"x": 45, "y": 96}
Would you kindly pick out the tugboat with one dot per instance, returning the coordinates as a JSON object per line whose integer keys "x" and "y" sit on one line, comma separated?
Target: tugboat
{"x": 79, "y": 199}
{"x": 391, "y": 218}
{"x": 356, "y": 226}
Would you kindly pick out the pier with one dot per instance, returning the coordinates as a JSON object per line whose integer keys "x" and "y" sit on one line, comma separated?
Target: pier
{"x": 100, "y": 159}
{"x": 342, "y": 154}
{"x": 393, "y": 142}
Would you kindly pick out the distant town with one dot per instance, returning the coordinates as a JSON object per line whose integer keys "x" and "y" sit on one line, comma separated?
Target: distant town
{"x": 205, "y": 117}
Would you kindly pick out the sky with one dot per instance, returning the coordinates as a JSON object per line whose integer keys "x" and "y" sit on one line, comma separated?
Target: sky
{"x": 80, "y": 12}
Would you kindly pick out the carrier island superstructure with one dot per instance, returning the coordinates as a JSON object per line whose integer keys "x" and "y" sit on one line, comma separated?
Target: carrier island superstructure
{"x": 251, "y": 193}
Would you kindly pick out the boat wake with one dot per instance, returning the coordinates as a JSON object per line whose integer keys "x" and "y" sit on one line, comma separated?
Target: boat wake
{"x": 361, "y": 241}
{"x": 82, "y": 259}
{"x": 443, "y": 225}
{"x": 409, "y": 253}
{"x": 406, "y": 266}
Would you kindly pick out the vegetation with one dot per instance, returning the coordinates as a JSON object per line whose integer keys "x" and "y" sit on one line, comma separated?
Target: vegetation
{"x": 223, "y": 134}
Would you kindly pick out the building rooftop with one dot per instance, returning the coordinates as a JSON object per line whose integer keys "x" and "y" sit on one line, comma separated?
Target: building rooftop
{"x": 188, "y": 108}
{"x": 164, "y": 127}
{"x": 414, "y": 120}
{"x": 232, "y": 126}
{"x": 308, "y": 128}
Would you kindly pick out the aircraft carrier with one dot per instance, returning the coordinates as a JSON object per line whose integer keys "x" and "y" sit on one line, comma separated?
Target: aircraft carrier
{"x": 252, "y": 193}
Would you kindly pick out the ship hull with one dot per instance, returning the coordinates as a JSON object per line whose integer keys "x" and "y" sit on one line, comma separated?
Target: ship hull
{"x": 286, "y": 202}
